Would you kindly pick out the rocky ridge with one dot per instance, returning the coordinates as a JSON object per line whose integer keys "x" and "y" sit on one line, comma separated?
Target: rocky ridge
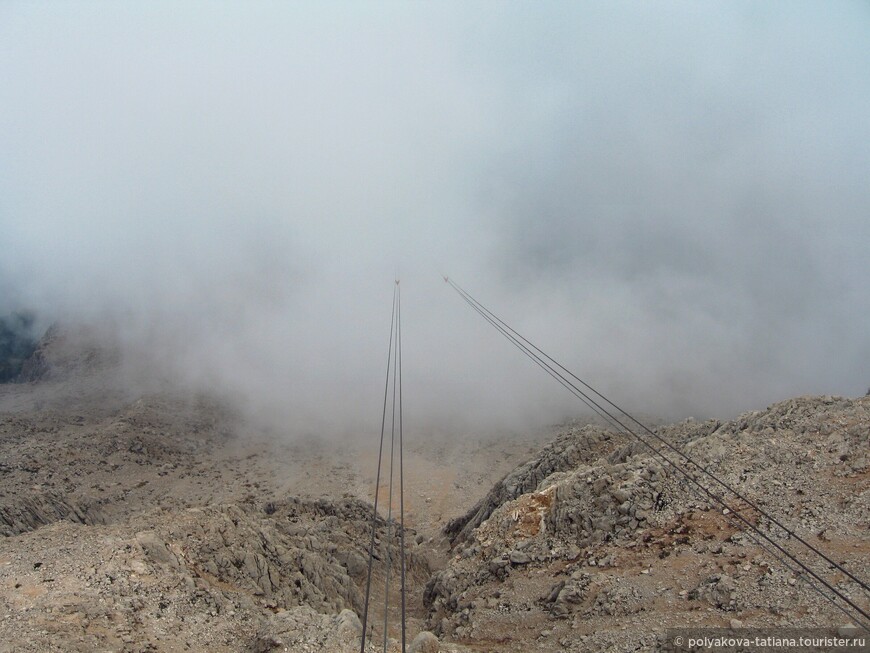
{"x": 596, "y": 534}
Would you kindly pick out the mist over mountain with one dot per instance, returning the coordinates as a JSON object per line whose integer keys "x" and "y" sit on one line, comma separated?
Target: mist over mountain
{"x": 206, "y": 210}
{"x": 669, "y": 198}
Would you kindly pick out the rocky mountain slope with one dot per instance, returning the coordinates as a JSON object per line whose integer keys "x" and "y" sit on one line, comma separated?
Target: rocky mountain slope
{"x": 162, "y": 522}
{"x": 596, "y": 544}
{"x": 151, "y": 521}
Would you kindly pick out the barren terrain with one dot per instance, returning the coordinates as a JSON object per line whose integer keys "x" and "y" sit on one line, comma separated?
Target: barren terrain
{"x": 161, "y": 522}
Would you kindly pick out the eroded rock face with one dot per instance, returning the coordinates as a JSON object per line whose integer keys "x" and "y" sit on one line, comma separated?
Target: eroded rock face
{"x": 565, "y": 453}
{"x": 287, "y": 554}
{"x": 255, "y": 577}
{"x": 20, "y": 514}
{"x": 308, "y": 631}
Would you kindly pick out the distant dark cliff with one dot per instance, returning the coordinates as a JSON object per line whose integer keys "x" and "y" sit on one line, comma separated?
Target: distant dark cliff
{"x": 17, "y": 344}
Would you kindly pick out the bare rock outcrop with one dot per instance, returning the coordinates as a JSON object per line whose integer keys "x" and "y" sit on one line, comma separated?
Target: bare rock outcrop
{"x": 20, "y": 514}
{"x": 566, "y": 452}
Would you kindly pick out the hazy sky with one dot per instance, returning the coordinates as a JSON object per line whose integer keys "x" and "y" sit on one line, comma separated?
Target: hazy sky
{"x": 671, "y": 197}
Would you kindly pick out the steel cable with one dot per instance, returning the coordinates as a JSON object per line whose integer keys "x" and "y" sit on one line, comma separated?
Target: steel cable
{"x": 393, "y": 382}
{"x": 378, "y": 478}
{"x": 682, "y": 454}
{"x": 540, "y": 358}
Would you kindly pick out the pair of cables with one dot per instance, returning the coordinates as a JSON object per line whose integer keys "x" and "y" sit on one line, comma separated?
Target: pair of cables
{"x": 393, "y": 398}
{"x": 686, "y": 466}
